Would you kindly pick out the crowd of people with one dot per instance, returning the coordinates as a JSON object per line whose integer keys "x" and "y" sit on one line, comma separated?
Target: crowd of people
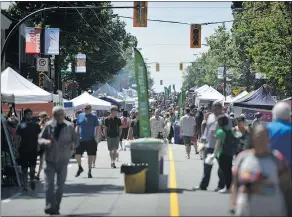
{"x": 254, "y": 160}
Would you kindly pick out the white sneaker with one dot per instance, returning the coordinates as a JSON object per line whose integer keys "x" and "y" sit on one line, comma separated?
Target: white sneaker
{"x": 224, "y": 191}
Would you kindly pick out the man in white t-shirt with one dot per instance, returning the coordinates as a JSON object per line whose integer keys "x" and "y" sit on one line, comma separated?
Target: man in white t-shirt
{"x": 156, "y": 125}
{"x": 187, "y": 130}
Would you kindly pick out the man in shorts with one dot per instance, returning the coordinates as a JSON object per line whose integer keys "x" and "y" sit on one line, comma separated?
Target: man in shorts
{"x": 88, "y": 129}
{"x": 112, "y": 131}
{"x": 187, "y": 130}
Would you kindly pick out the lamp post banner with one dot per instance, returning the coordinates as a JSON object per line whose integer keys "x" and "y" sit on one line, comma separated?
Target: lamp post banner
{"x": 33, "y": 40}
{"x": 143, "y": 98}
{"x": 52, "y": 36}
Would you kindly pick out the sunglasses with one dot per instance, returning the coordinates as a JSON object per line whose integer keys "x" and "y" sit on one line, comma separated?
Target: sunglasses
{"x": 87, "y": 108}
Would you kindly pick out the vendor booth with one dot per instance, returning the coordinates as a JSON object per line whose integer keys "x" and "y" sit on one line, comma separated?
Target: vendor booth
{"x": 85, "y": 98}
{"x": 257, "y": 101}
{"x": 206, "y": 96}
{"x": 26, "y": 94}
{"x": 24, "y": 91}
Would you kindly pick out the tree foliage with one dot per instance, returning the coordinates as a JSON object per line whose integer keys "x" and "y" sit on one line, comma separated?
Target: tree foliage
{"x": 260, "y": 41}
{"x": 98, "y": 33}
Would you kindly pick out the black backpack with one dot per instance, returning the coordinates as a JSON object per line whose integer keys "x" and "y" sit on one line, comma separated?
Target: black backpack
{"x": 229, "y": 146}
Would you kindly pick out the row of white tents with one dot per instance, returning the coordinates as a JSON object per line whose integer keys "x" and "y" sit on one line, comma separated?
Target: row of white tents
{"x": 15, "y": 88}
{"x": 207, "y": 93}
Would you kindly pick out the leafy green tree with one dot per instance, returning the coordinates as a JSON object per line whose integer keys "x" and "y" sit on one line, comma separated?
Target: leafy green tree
{"x": 264, "y": 32}
{"x": 98, "y": 33}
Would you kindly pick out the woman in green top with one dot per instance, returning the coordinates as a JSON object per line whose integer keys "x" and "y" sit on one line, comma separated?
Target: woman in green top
{"x": 224, "y": 150}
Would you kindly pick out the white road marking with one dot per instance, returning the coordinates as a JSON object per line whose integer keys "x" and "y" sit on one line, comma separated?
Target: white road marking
{"x": 16, "y": 195}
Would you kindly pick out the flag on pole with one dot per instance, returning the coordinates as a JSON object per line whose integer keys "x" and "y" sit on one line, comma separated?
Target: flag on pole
{"x": 143, "y": 98}
{"x": 173, "y": 87}
{"x": 181, "y": 102}
{"x": 166, "y": 93}
{"x": 169, "y": 89}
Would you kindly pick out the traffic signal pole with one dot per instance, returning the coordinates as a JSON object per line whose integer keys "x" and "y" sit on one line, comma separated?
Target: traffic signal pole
{"x": 224, "y": 81}
{"x": 15, "y": 28}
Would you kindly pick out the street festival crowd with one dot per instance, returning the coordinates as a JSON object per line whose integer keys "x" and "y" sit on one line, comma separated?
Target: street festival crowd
{"x": 254, "y": 159}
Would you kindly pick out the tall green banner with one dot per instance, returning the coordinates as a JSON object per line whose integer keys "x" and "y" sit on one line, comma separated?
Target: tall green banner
{"x": 169, "y": 89}
{"x": 143, "y": 98}
{"x": 181, "y": 103}
{"x": 166, "y": 93}
{"x": 173, "y": 87}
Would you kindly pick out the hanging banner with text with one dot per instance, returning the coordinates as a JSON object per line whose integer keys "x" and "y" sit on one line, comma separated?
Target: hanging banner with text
{"x": 33, "y": 40}
{"x": 143, "y": 102}
{"x": 250, "y": 114}
{"x": 80, "y": 63}
{"x": 52, "y": 36}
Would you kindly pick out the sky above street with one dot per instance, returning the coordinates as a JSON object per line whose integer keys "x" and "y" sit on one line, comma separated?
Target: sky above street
{"x": 168, "y": 44}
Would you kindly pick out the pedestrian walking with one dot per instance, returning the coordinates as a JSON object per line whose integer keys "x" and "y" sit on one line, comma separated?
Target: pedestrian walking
{"x": 210, "y": 140}
{"x": 125, "y": 128}
{"x": 226, "y": 146}
{"x": 280, "y": 132}
{"x": 112, "y": 131}
{"x": 187, "y": 129}
{"x": 44, "y": 118}
{"x": 59, "y": 140}
{"x": 260, "y": 176}
{"x": 172, "y": 121}
{"x": 134, "y": 130}
{"x": 257, "y": 119}
{"x": 28, "y": 130}
{"x": 88, "y": 130}
{"x": 157, "y": 125}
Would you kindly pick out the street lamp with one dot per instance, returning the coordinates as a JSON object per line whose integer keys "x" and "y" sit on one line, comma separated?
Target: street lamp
{"x": 14, "y": 29}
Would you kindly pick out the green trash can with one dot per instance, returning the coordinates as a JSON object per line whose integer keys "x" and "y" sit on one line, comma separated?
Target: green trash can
{"x": 149, "y": 151}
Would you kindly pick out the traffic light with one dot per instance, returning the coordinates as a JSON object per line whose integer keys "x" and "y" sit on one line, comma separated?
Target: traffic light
{"x": 161, "y": 82}
{"x": 181, "y": 66}
{"x": 140, "y": 14}
{"x": 157, "y": 67}
{"x": 195, "y": 40}
{"x": 41, "y": 79}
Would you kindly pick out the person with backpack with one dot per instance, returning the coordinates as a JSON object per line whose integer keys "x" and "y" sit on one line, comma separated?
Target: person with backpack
{"x": 225, "y": 148}
{"x": 125, "y": 128}
{"x": 260, "y": 178}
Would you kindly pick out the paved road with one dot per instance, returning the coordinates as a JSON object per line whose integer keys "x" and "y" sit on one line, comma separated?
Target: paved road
{"x": 103, "y": 195}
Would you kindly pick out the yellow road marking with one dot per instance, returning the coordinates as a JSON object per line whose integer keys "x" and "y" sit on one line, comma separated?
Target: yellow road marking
{"x": 174, "y": 205}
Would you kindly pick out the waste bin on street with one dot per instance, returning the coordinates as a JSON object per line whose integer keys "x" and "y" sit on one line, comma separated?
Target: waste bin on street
{"x": 177, "y": 138}
{"x": 135, "y": 177}
{"x": 150, "y": 151}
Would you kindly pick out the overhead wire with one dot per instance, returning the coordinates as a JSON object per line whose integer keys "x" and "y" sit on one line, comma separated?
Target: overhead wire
{"x": 89, "y": 26}
{"x": 102, "y": 28}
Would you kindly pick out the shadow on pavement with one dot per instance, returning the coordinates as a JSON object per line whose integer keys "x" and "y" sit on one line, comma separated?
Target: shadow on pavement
{"x": 76, "y": 190}
{"x": 88, "y": 214}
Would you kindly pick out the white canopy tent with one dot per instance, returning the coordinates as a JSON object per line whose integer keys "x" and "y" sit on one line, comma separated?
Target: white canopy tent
{"x": 85, "y": 98}
{"x": 210, "y": 94}
{"x": 239, "y": 96}
{"x": 202, "y": 88}
{"x": 23, "y": 90}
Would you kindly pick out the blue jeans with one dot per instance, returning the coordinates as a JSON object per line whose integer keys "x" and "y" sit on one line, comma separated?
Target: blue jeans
{"x": 207, "y": 172}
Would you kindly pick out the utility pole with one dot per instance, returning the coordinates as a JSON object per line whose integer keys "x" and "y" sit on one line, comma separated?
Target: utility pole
{"x": 224, "y": 81}
{"x": 73, "y": 91}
